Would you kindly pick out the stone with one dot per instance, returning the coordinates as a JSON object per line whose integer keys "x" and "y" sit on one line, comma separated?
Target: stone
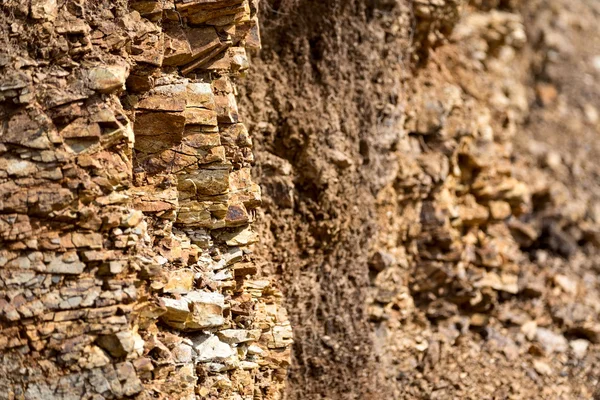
{"x": 551, "y": 342}
{"x": 244, "y": 269}
{"x": 505, "y": 282}
{"x": 95, "y": 358}
{"x": 542, "y": 368}
{"x": 81, "y": 128}
{"x": 200, "y": 94}
{"x": 247, "y": 365}
{"x": 579, "y": 347}
{"x": 237, "y": 215}
{"x": 252, "y": 38}
{"x": 177, "y": 46}
{"x": 60, "y": 266}
{"x": 210, "y": 349}
{"x": 159, "y": 123}
{"x": 200, "y": 116}
{"x": 194, "y": 213}
{"x": 28, "y": 128}
{"x": 226, "y": 106}
{"x": 182, "y": 353}
{"x": 239, "y": 237}
{"x": 202, "y": 41}
{"x": 381, "y": 260}
{"x": 20, "y": 168}
{"x": 233, "y": 255}
{"x": 150, "y": 50}
{"x": 195, "y": 311}
{"x": 231, "y": 13}
{"x": 161, "y": 103}
{"x": 44, "y": 9}
{"x": 107, "y": 79}
{"x": 547, "y": 93}
{"x": 236, "y": 336}
{"x": 89, "y": 240}
{"x": 204, "y": 182}
{"x": 131, "y": 384}
{"x": 255, "y": 350}
{"x": 500, "y": 210}
{"x": 117, "y": 345}
{"x": 529, "y": 328}
{"x": 282, "y": 336}
{"x": 180, "y": 281}
{"x": 565, "y": 283}
{"x": 202, "y": 140}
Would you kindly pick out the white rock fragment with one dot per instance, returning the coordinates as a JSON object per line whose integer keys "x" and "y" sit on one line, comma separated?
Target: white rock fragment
{"x": 579, "y": 347}
{"x": 248, "y": 365}
{"x": 210, "y": 349}
{"x": 550, "y": 341}
{"x": 255, "y": 350}
{"x": 542, "y": 368}
{"x": 182, "y": 353}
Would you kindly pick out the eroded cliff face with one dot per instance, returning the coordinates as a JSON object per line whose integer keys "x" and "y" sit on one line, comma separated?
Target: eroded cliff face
{"x": 426, "y": 221}
{"x": 127, "y": 204}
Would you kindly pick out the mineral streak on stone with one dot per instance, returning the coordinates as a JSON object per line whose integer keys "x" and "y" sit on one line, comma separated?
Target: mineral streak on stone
{"x": 126, "y": 203}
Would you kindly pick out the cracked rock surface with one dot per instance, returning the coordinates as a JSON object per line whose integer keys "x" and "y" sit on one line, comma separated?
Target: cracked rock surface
{"x": 126, "y": 204}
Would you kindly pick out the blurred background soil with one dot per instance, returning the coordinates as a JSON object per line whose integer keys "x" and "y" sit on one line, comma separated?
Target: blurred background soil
{"x": 431, "y": 194}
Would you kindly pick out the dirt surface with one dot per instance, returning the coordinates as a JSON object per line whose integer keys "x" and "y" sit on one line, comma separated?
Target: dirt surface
{"x": 431, "y": 195}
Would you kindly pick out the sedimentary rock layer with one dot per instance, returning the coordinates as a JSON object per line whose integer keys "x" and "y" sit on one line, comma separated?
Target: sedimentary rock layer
{"x": 126, "y": 205}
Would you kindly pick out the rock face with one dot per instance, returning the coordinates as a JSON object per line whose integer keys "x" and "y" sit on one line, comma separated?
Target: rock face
{"x": 126, "y": 203}
{"x": 427, "y": 246}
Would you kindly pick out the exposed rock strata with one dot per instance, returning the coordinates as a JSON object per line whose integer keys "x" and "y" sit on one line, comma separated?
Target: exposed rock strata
{"x": 126, "y": 205}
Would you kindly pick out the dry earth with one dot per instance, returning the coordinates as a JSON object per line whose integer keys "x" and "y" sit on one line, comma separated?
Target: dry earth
{"x": 430, "y": 195}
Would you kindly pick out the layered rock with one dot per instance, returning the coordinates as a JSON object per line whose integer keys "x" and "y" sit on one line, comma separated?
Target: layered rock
{"x": 127, "y": 203}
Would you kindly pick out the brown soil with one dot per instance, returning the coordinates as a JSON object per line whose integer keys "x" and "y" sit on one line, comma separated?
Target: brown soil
{"x": 359, "y": 110}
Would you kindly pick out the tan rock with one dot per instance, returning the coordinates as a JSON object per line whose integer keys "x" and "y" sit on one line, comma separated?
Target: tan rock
{"x": 119, "y": 344}
{"x": 90, "y": 240}
{"x": 195, "y": 311}
{"x": 202, "y": 140}
{"x": 500, "y": 210}
{"x": 236, "y": 336}
{"x": 150, "y": 50}
{"x": 200, "y": 116}
{"x": 177, "y": 46}
{"x": 505, "y": 282}
{"x": 579, "y": 347}
{"x": 179, "y": 281}
{"x": 60, "y": 265}
{"x": 44, "y": 9}
{"x": 107, "y": 79}
{"x": 551, "y": 342}
{"x": 162, "y": 103}
{"x": 204, "y": 182}
{"x": 199, "y": 94}
{"x": 239, "y": 237}
{"x": 202, "y": 41}
{"x": 542, "y": 368}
